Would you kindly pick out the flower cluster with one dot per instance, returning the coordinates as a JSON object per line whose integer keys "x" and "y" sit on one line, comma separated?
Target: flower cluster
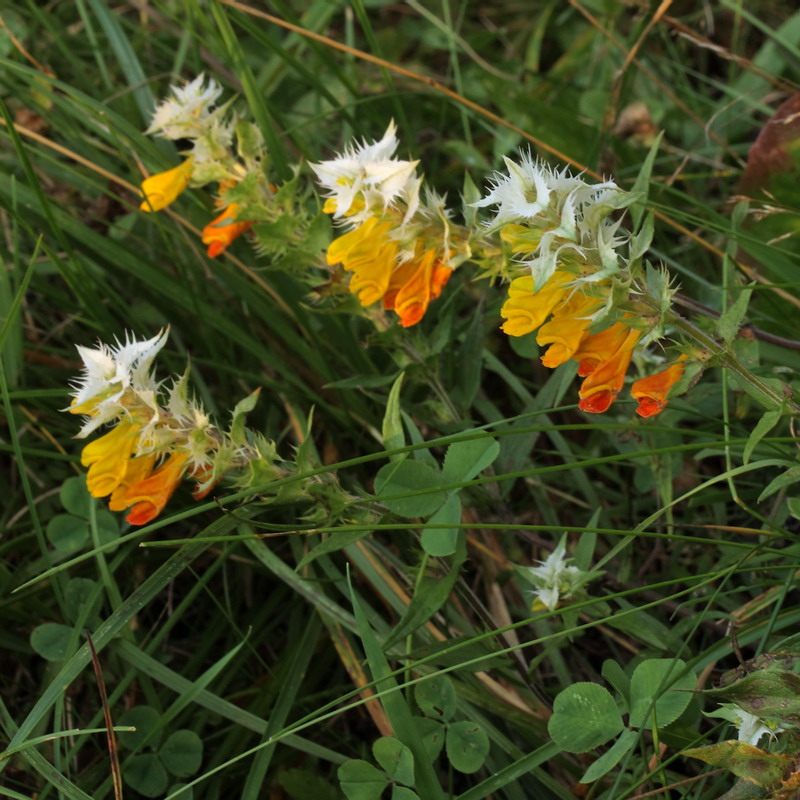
{"x": 153, "y": 443}
{"x": 555, "y": 580}
{"x": 401, "y": 247}
{"x": 191, "y": 114}
{"x": 574, "y": 280}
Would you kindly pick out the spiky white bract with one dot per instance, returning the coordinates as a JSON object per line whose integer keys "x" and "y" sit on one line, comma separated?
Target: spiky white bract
{"x": 108, "y": 371}
{"x": 554, "y": 579}
{"x": 367, "y": 173}
{"x": 186, "y": 113}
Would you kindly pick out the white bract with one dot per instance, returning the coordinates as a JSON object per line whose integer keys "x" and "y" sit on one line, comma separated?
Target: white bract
{"x": 186, "y": 114}
{"x": 365, "y": 180}
{"x": 751, "y": 728}
{"x": 108, "y": 372}
{"x": 554, "y": 579}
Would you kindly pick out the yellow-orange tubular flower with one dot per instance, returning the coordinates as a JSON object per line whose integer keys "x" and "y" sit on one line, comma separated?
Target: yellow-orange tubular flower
{"x": 219, "y": 233}
{"x": 163, "y": 188}
{"x": 406, "y": 287}
{"x": 108, "y": 458}
{"x": 652, "y": 391}
{"x": 605, "y": 361}
{"x": 149, "y": 496}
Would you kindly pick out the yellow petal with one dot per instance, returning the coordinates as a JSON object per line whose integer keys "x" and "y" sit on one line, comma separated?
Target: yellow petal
{"x": 163, "y": 188}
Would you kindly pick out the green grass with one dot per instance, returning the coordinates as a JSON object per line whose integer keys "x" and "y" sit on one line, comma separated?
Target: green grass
{"x": 288, "y": 637}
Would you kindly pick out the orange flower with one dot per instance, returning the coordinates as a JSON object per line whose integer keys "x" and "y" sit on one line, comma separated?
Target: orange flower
{"x": 219, "y": 233}
{"x": 163, "y": 188}
{"x": 136, "y": 470}
{"x": 652, "y": 391}
{"x": 413, "y": 285}
{"x": 107, "y": 458}
{"x": 610, "y": 357}
{"x": 149, "y": 496}
{"x": 372, "y": 256}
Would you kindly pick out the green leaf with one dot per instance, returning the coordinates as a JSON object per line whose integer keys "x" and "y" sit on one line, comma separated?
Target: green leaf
{"x": 184, "y": 792}
{"x": 240, "y": 411}
{"x": 395, "y": 758}
{"x": 467, "y": 746}
{"x": 762, "y": 428}
{"x": 615, "y": 675}
{"x": 361, "y": 781}
{"x": 436, "y": 697}
{"x": 67, "y": 533}
{"x": 333, "y": 542}
{"x": 464, "y": 460}
{"x": 744, "y": 760}
{"x": 75, "y": 496}
{"x": 443, "y": 541}
{"x": 792, "y": 475}
{"x": 146, "y": 775}
{"x": 147, "y": 721}
{"x": 402, "y": 793}
{"x": 182, "y": 753}
{"x": 666, "y": 680}
{"x": 306, "y": 784}
{"x": 728, "y": 324}
{"x": 107, "y": 528}
{"x": 767, "y": 693}
{"x": 642, "y": 183}
{"x": 392, "y": 430}
{"x": 793, "y": 504}
{"x": 611, "y": 757}
{"x": 51, "y": 640}
{"x": 584, "y": 717}
{"x": 413, "y": 478}
{"x": 431, "y": 734}
{"x": 470, "y": 357}
{"x": 429, "y": 596}
{"x": 79, "y": 593}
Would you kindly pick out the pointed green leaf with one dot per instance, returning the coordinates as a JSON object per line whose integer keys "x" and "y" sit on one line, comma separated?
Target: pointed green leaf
{"x": 611, "y": 757}
{"x": 762, "y": 428}
{"x": 392, "y": 430}
{"x": 745, "y": 761}
{"x": 464, "y": 460}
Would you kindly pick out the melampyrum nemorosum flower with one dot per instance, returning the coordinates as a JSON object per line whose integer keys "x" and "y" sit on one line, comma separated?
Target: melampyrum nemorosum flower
{"x": 577, "y": 278}
{"x": 156, "y": 441}
{"x": 555, "y": 580}
{"x": 401, "y": 248}
{"x": 190, "y": 115}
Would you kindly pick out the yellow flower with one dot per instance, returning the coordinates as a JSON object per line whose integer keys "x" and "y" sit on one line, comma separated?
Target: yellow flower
{"x": 567, "y": 329}
{"x": 107, "y": 458}
{"x": 367, "y": 252}
{"x": 163, "y": 188}
{"x": 219, "y": 233}
{"x": 137, "y": 469}
{"x": 149, "y": 496}
{"x": 406, "y": 287}
{"x": 525, "y": 311}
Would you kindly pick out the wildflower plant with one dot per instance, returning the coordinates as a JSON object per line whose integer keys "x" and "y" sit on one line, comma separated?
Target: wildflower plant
{"x": 229, "y": 151}
{"x": 400, "y": 243}
{"x": 575, "y": 275}
{"x": 159, "y": 435}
